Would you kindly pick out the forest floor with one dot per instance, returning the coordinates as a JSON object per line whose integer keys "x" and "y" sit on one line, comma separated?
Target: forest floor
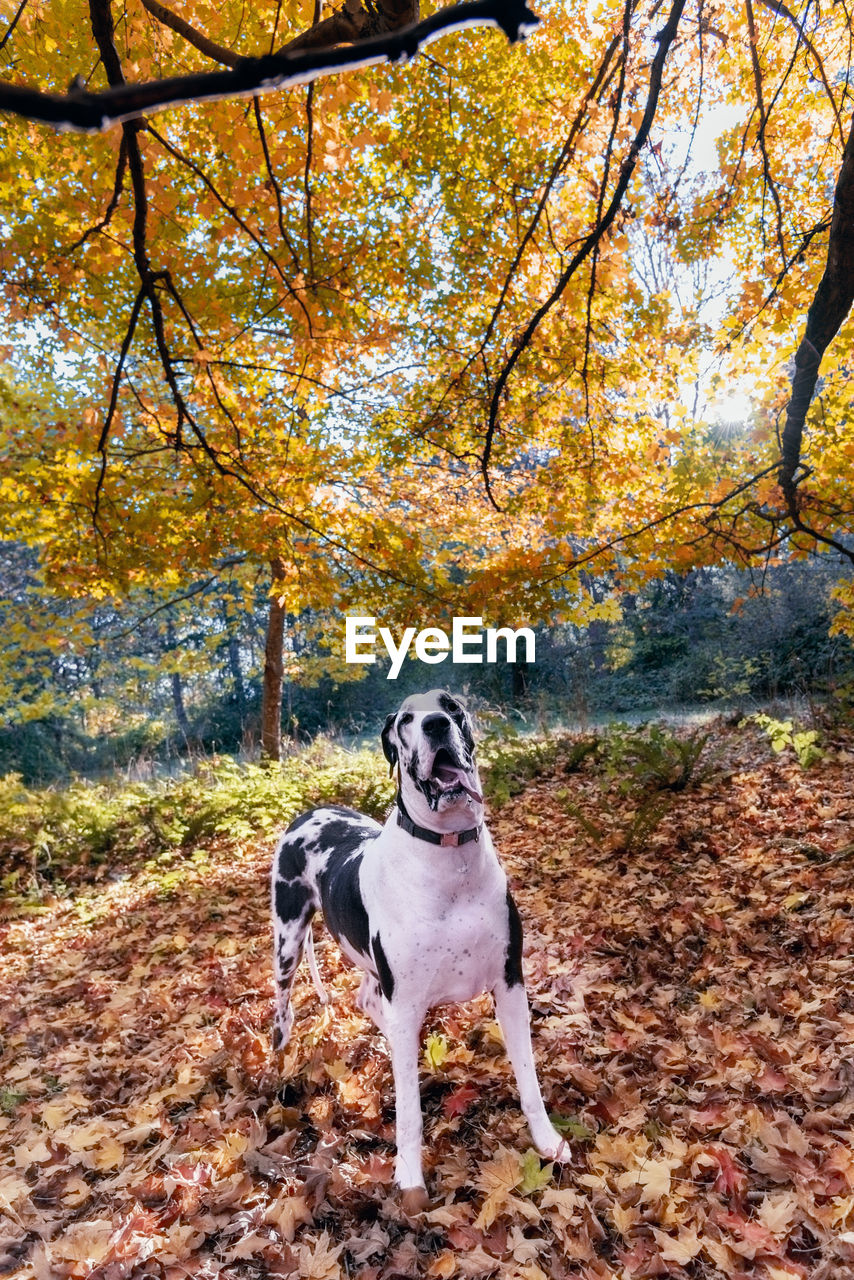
{"x": 692, "y": 993}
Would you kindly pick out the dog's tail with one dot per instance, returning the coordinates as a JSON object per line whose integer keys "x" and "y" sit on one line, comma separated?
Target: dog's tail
{"x": 312, "y": 967}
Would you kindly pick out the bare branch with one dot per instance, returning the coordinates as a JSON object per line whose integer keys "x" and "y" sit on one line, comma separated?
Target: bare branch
{"x": 94, "y": 112}
{"x": 13, "y": 24}
{"x": 777, "y": 6}
{"x": 262, "y": 134}
{"x": 564, "y": 155}
{"x": 763, "y": 121}
{"x": 114, "y": 397}
{"x": 603, "y": 548}
{"x": 306, "y": 181}
{"x": 118, "y": 187}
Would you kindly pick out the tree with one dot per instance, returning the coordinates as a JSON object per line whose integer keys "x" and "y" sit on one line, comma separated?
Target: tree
{"x": 429, "y": 337}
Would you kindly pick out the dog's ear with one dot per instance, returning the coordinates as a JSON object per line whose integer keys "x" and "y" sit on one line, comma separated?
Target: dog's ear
{"x": 389, "y": 749}
{"x": 466, "y": 730}
{"x": 463, "y": 721}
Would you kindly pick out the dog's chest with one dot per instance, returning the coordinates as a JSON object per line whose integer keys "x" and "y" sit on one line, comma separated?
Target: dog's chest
{"x": 461, "y": 956}
{"x": 445, "y": 934}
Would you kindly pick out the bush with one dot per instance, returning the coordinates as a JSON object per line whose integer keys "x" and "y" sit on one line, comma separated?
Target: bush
{"x": 45, "y": 835}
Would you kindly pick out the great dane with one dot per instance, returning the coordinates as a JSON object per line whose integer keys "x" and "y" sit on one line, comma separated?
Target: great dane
{"x": 420, "y": 904}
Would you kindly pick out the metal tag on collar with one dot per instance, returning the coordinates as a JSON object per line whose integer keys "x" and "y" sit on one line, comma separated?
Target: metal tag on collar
{"x": 450, "y": 838}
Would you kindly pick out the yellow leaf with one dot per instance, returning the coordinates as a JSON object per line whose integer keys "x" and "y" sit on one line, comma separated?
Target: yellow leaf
{"x": 286, "y": 1213}
{"x": 320, "y": 1262}
{"x": 435, "y": 1050}
{"x": 654, "y": 1177}
{"x": 680, "y": 1250}
{"x": 444, "y": 1266}
{"x": 499, "y": 1178}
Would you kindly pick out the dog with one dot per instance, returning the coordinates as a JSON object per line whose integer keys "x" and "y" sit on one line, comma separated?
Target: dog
{"x": 421, "y": 905}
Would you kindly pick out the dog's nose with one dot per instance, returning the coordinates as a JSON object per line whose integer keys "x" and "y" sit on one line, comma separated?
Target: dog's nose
{"x": 436, "y": 725}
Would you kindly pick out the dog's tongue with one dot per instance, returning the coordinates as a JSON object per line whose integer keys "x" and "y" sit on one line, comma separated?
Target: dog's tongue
{"x": 450, "y": 773}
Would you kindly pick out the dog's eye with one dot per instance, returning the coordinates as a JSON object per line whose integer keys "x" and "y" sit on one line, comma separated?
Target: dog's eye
{"x": 405, "y": 718}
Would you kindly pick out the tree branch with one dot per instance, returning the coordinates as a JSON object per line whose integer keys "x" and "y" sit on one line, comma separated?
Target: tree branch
{"x": 94, "y": 112}
{"x": 13, "y": 24}
{"x": 196, "y": 38}
{"x": 763, "y": 122}
{"x": 777, "y": 6}
{"x": 665, "y": 39}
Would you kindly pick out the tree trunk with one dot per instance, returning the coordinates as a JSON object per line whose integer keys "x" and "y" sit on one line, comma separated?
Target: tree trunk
{"x": 233, "y": 652}
{"x": 519, "y": 676}
{"x": 271, "y": 695}
{"x": 830, "y": 307}
{"x": 180, "y": 709}
{"x": 178, "y": 689}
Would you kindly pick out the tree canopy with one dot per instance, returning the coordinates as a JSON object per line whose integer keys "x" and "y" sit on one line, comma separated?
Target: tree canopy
{"x": 451, "y": 335}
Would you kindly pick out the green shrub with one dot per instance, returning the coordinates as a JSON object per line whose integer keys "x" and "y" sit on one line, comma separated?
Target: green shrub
{"x": 783, "y": 734}
{"x": 45, "y": 833}
{"x": 510, "y": 762}
{"x": 650, "y": 758}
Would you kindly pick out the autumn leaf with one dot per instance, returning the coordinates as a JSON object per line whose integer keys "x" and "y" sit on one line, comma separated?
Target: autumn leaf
{"x": 458, "y": 1102}
{"x": 534, "y": 1175}
{"x": 435, "y": 1051}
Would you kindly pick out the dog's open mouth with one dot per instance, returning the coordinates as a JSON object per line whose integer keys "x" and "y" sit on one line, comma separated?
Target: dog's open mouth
{"x": 448, "y": 779}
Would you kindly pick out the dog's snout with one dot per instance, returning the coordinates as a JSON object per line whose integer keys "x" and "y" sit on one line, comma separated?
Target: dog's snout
{"x": 435, "y": 726}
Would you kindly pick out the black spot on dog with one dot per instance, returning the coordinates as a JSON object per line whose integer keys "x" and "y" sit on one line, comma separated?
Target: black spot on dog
{"x": 292, "y": 898}
{"x": 298, "y": 822}
{"x": 384, "y": 972}
{"x": 343, "y": 837}
{"x": 460, "y": 718}
{"x": 513, "y": 960}
{"x": 389, "y": 748}
{"x": 292, "y": 861}
{"x": 341, "y": 899}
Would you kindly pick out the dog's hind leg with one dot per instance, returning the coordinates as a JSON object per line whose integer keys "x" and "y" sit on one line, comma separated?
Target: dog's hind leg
{"x": 370, "y": 1001}
{"x": 289, "y": 937}
{"x": 294, "y": 903}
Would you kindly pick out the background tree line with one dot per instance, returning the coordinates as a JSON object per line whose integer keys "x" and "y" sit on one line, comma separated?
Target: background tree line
{"x": 427, "y": 340}
{"x": 174, "y": 678}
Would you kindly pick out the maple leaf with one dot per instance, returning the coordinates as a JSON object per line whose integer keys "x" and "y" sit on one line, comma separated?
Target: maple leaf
{"x": 534, "y": 1175}
{"x": 458, "y": 1102}
{"x": 319, "y": 1260}
{"x": 681, "y": 1249}
{"x": 499, "y": 1177}
{"x": 286, "y": 1213}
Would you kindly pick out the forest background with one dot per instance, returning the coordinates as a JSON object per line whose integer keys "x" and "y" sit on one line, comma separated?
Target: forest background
{"x": 531, "y": 331}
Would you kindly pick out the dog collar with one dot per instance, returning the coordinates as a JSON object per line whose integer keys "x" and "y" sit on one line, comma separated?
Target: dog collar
{"x": 448, "y": 839}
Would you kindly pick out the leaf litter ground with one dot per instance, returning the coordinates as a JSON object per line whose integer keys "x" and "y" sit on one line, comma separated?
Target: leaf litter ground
{"x": 693, "y": 1021}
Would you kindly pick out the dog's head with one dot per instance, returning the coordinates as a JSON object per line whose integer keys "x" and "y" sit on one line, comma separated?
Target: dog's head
{"x": 431, "y": 739}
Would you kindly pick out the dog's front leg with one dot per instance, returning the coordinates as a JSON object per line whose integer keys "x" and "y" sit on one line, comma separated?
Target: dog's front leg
{"x": 403, "y": 1030}
{"x": 511, "y": 1007}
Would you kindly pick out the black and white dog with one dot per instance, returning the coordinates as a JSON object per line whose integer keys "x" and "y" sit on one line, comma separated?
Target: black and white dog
{"x": 421, "y": 905}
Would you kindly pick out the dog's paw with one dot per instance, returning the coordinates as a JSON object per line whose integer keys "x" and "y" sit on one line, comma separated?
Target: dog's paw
{"x": 414, "y": 1200}
{"x": 554, "y": 1147}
